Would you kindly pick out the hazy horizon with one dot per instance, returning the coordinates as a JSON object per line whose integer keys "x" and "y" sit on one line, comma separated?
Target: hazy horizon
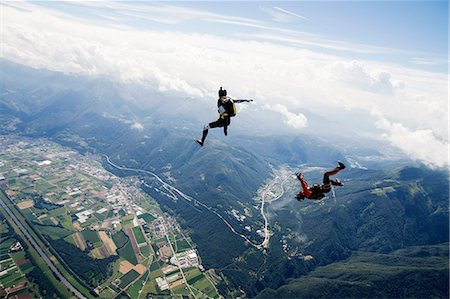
{"x": 349, "y": 63}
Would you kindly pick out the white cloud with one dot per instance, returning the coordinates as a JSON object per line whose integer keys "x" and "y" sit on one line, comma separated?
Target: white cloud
{"x": 429, "y": 61}
{"x": 421, "y": 144}
{"x": 287, "y": 12}
{"x": 317, "y": 42}
{"x": 282, "y": 15}
{"x": 297, "y": 121}
{"x": 280, "y": 78}
{"x": 355, "y": 74}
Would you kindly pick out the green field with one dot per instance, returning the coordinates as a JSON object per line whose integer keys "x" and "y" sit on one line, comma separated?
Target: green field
{"x": 196, "y": 278}
{"x": 155, "y": 266}
{"x": 18, "y": 274}
{"x": 25, "y": 268}
{"x": 182, "y": 245}
{"x": 57, "y": 212}
{"x": 107, "y": 293}
{"x": 127, "y": 253}
{"x": 138, "y": 235}
{"x": 6, "y": 263}
{"x": 120, "y": 239}
{"x": 204, "y": 285}
{"x": 69, "y": 239}
{"x": 54, "y": 232}
{"x": 17, "y": 255}
{"x": 128, "y": 278}
{"x": 134, "y": 289}
{"x": 147, "y": 217}
{"x": 11, "y": 279}
{"x": 145, "y": 250}
{"x": 90, "y": 235}
{"x": 181, "y": 290}
{"x": 49, "y": 280}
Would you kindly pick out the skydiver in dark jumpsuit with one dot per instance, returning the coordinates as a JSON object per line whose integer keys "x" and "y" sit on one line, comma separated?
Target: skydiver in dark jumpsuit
{"x": 226, "y": 109}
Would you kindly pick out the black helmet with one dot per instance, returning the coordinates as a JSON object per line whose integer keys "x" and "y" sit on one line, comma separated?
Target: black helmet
{"x": 222, "y": 92}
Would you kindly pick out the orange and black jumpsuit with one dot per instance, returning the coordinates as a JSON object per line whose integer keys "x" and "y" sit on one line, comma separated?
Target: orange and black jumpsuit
{"x": 317, "y": 191}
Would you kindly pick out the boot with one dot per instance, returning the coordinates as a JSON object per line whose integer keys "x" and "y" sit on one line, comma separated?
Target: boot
{"x": 201, "y": 142}
{"x": 341, "y": 165}
{"x": 336, "y": 182}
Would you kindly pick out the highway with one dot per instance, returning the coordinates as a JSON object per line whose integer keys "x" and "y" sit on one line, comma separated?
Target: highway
{"x": 40, "y": 251}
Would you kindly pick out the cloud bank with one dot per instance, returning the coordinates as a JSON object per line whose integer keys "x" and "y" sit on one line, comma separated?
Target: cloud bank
{"x": 297, "y": 121}
{"x": 279, "y": 77}
{"x": 420, "y": 144}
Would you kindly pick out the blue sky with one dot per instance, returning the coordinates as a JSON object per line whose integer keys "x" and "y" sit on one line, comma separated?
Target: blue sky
{"x": 416, "y": 32}
{"x": 385, "y": 63}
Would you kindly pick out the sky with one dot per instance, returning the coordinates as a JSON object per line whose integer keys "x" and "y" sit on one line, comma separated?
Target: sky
{"x": 384, "y": 60}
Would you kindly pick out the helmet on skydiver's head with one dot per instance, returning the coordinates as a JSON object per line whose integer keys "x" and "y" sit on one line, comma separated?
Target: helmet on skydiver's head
{"x": 222, "y": 92}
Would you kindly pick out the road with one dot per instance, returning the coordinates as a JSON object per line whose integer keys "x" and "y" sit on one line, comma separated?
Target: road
{"x": 265, "y": 243}
{"x": 175, "y": 256}
{"x": 41, "y": 252}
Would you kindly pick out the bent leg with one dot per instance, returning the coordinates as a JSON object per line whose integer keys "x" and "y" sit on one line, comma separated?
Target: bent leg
{"x": 217, "y": 124}
{"x": 326, "y": 175}
{"x": 221, "y": 122}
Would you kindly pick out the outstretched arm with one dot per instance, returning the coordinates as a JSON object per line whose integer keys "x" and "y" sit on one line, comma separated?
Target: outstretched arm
{"x": 242, "y": 101}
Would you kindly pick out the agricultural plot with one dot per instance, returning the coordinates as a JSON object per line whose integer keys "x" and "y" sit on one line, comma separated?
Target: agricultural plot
{"x": 108, "y": 242}
{"x": 204, "y": 285}
{"x": 191, "y": 272}
{"x": 127, "y": 253}
{"x": 145, "y": 250}
{"x": 90, "y": 236}
{"x": 128, "y": 278}
{"x": 127, "y": 221}
{"x": 134, "y": 244}
{"x": 139, "y": 236}
{"x": 14, "y": 266}
{"x": 120, "y": 239}
{"x": 147, "y": 217}
{"x": 25, "y": 204}
{"x": 182, "y": 245}
{"x": 57, "y": 212}
{"x": 134, "y": 289}
{"x": 53, "y": 232}
{"x": 155, "y": 266}
{"x": 181, "y": 290}
{"x": 79, "y": 241}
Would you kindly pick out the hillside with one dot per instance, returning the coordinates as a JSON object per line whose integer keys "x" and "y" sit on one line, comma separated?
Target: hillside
{"x": 413, "y": 272}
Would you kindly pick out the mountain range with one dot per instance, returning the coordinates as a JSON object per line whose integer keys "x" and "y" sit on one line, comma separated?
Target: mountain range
{"x": 391, "y": 209}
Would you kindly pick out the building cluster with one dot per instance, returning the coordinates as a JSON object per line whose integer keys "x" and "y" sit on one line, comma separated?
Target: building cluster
{"x": 185, "y": 259}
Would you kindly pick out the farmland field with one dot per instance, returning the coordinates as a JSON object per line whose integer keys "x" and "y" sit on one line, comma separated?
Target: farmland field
{"x": 138, "y": 235}
{"x": 128, "y": 278}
